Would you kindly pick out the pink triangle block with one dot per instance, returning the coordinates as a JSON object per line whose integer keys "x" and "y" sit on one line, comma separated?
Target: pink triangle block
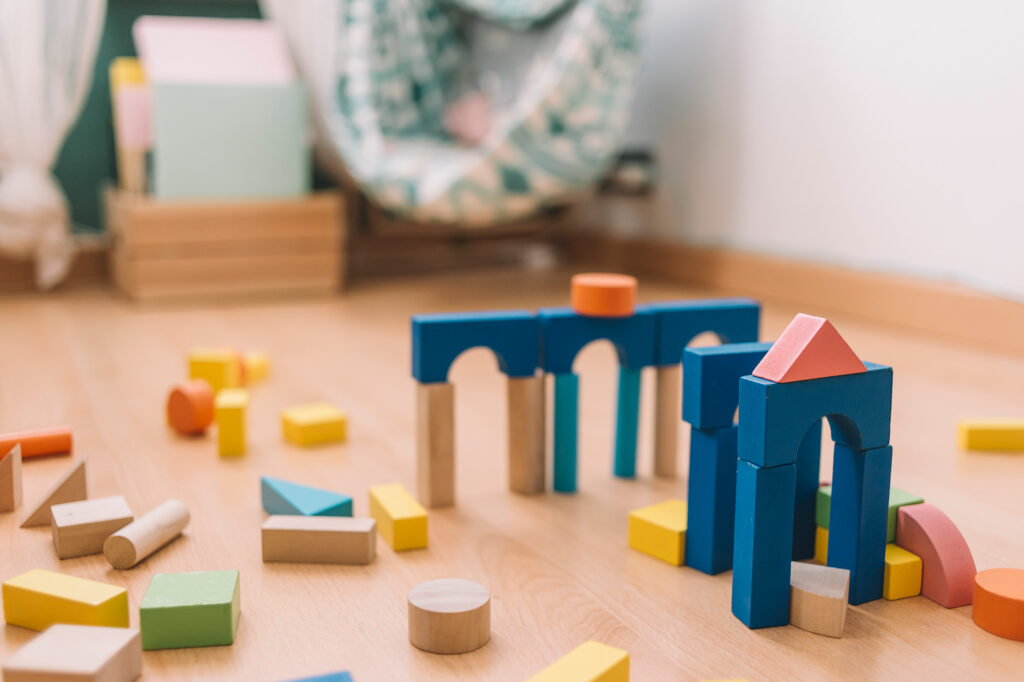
{"x": 947, "y": 566}
{"x": 809, "y": 348}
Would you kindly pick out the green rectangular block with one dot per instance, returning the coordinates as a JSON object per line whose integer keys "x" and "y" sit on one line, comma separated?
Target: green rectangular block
{"x": 190, "y": 609}
{"x": 897, "y": 498}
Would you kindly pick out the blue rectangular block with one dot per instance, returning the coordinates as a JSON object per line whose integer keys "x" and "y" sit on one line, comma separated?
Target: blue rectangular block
{"x": 513, "y": 335}
{"x": 733, "y": 320}
{"x": 858, "y": 516}
{"x": 711, "y": 378}
{"x": 564, "y": 333}
{"x": 627, "y": 416}
{"x": 711, "y": 499}
{"x": 774, "y": 417}
{"x": 566, "y": 414}
{"x": 763, "y": 546}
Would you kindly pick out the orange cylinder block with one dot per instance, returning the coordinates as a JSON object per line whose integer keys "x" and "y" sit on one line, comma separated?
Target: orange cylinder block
{"x": 38, "y": 443}
{"x": 601, "y": 294}
{"x": 190, "y": 407}
{"x": 999, "y": 602}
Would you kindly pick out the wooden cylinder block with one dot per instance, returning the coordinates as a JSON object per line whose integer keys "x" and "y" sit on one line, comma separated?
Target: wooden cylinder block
{"x": 39, "y": 442}
{"x": 449, "y": 616}
{"x": 190, "y": 407}
{"x": 136, "y": 541}
{"x": 601, "y": 294}
{"x": 999, "y": 602}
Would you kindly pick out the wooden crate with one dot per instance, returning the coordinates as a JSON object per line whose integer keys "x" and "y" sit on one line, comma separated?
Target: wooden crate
{"x": 186, "y": 249}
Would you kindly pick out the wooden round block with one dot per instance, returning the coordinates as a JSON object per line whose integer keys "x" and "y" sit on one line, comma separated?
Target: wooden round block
{"x": 999, "y": 602}
{"x": 600, "y": 294}
{"x": 190, "y": 407}
{"x": 449, "y": 616}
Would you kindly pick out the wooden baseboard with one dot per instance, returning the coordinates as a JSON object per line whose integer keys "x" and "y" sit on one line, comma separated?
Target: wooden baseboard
{"x": 90, "y": 268}
{"x": 954, "y": 311}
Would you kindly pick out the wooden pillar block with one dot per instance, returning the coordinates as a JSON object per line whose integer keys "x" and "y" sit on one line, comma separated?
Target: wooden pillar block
{"x": 230, "y": 408}
{"x": 449, "y": 616}
{"x": 668, "y": 402}
{"x": 435, "y": 444}
{"x": 526, "y": 435}
{"x": 10, "y": 479}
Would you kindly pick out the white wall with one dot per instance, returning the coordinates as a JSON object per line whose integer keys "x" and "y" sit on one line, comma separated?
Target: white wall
{"x": 881, "y": 134}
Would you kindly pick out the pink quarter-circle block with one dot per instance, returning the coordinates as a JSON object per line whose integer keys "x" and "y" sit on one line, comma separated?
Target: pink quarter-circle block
{"x": 948, "y": 570}
{"x": 809, "y": 348}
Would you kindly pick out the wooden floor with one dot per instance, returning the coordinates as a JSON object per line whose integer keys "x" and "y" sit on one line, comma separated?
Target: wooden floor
{"x": 557, "y": 565}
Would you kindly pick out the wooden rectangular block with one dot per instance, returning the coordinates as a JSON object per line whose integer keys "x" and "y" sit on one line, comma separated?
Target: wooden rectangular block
{"x": 660, "y": 530}
{"x": 589, "y": 662}
{"x": 10, "y": 478}
{"x": 314, "y": 424}
{"x": 230, "y": 407}
{"x": 902, "y": 573}
{"x": 80, "y": 653}
{"x": 991, "y": 434}
{"x": 37, "y": 599}
{"x": 821, "y": 545}
{"x": 817, "y": 599}
{"x": 319, "y": 539}
{"x": 79, "y": 528}
{"x": 401, "y": 520}
{"x": 220, "y": 367}
{"x": 194, "y": 609}
{"x": 435, "y": 443}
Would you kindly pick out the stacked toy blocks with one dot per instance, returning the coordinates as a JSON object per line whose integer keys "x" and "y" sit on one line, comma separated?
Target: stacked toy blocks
{"x": 37, "y": 599}
{"x": 809, "y": 373}
{"x": 190, "y": 610}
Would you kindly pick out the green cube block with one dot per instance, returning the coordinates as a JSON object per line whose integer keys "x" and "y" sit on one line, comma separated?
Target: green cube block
{"x": 822, "y": 506}
{"x": 190, "y": 609}
{"x": 897, "y": 498}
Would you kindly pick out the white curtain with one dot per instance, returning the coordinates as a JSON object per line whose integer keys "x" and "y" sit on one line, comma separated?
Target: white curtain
{"x": 47, "y": 51}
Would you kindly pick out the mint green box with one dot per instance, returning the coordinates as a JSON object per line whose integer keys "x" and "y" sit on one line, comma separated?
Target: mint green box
{"x": 222, "y": 141}
{"x": 190, "y": 609}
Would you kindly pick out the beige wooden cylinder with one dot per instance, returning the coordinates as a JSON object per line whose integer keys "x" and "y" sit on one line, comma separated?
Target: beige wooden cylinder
{"x": 668, "y": 409}
{"x": 526, "y": 433}
{"x": 449, "y": 616}
{"x": 145, "y": 535}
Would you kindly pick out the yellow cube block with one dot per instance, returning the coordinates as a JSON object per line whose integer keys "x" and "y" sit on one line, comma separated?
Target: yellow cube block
{"x": 229, "y": 410}
{"x": 314, "y": 424}
{"x": 991, "y": 434}
{"x": 821, "y": 545}
{"x": 902, "y": 573}
{"x": 589, "y": 662}
{"x": 221, "y": 367}
{"x": 37, "y": 599}
{"x": 660, "y": 530}
{"x": 401, "y": 520}
{"x": 257, "y": 366}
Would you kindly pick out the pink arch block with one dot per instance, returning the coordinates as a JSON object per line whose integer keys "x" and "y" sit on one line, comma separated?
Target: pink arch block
{"x": 948, "y": 568}
{"x": 809, "y": 348}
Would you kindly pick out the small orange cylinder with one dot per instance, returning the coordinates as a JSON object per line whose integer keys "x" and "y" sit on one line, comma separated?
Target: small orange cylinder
{"x": 602, "y": 294}
{"x": 190, "y": 407}
{"x": 40, "y": 442}
{"x": 999, "y": 602}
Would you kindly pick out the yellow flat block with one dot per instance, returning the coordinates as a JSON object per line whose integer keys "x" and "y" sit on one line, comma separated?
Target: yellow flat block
{"x": 229, "y": 410}
{"x": 589, "y": 662}
{"x": 401, "y": 520}
{"x": 902, "y": 573}
{"x": 660, "y": 530}
{"x": 221, "y": 367}
{"x": 821, "y": 545}
{"x": 257, "y": 366}
{"x": 314, "y": 424}
{"x": 37, "y": 599}
{"x": 991, "y": 434}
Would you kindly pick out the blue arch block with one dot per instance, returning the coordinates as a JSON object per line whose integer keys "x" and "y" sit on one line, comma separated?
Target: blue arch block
{"x": 711, "y": 378}
{"x": 711, "y": 499}
{"x": 734, "y": 320}
{"x": 513, "y": 335}
{"x": 775, "y": 417}
{"x": 564, "y": 333}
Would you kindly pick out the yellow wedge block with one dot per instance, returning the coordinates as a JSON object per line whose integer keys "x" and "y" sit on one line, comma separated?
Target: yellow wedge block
{"x": 314, "y": 424}
{"x": 401, "y": 520}
{"x": 821, "y": 545}
{"x": 229, "y": 410}
{"x": 37, "y": 599}
{"x": 660, "y": 530}
{"x": 221, "y": 367}
{"x": 589, "y": 662}
{"x": 902, "y": 573}
{"x": 991, "y": 434}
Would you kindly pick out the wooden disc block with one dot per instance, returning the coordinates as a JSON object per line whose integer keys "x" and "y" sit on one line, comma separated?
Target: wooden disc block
{"x": 999, "y": 602}
{"x": 601, "y": 294}
{"x": 190, "y": 407}
{"x": 449, "y": 616}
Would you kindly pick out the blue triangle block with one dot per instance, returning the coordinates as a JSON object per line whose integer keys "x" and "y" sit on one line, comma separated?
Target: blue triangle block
{"x": 284, "y": 497}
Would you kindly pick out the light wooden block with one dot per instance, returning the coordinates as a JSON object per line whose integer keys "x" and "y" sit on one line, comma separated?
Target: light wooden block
{"x": 147, "y": 534}
{"x": 220, "y": 367}
{"x": 660, "y": 530}
{"x": 314, "y": 424}
{"x": 37, "y": 599}
{"x": 401, "y": 520}
{"x": 10, "y": 479}
{"x": 589, "y": 662}
{"x": 449, "y": 616}
{"x": 991, "y": 434}
{"x": 319, "y": 539}
{"x": 70, "y": 487}
{"x": 435, "y": 444}
{"x": 902, "y": 573}
{"x": 668, "y": 408}
{"x": 821, "y": 545}
{"x": 79, "y": 653}
{"x": 526, "y": 435}
{"x": 230, "y": 407}
{"x": 80, "y": 528}
{"x": 817, "y": 598}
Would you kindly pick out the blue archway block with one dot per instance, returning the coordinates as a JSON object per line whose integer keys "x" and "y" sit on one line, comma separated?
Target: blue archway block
{"x": 711, "y": 380}
{"x": 564, "y": 333}
{"x": 734, "y": 320}
{"x": 774, "y": 417}
{"x": 513, "y": 335}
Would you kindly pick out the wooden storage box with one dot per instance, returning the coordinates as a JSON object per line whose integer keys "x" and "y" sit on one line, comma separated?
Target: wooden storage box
{"x": 176, "y": 249}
